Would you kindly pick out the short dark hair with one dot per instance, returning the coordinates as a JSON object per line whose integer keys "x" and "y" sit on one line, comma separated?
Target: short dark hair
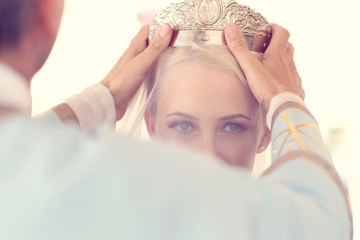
{"x": 14, "y": 19}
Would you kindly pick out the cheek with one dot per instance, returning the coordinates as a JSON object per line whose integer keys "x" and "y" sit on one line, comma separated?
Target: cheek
{"x": 161, "y": 130}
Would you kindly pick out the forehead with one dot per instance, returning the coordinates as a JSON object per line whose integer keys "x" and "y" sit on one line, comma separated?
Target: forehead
{"x": 195, "y": 89}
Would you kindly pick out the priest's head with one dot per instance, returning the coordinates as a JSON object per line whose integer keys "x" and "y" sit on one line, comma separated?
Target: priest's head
{"x": 28, "y": 30}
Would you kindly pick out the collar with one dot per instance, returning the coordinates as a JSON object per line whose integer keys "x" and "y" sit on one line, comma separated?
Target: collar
{"x": 14, "y": 90}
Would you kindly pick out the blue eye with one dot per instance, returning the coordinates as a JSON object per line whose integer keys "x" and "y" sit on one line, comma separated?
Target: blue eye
{"x": 183, "y": 126}
{"x": 233, "y": 127}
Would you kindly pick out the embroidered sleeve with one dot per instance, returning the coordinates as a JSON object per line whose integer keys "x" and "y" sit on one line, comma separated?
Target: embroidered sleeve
{"x": 295, "y": 129}
{"x": 60, "y": 113}
{"x": 66, "y": 114}
{"x": 296, "y": 134}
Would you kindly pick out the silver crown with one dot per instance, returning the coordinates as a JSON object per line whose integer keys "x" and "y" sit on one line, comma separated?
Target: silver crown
{"x": 203, "y": 21}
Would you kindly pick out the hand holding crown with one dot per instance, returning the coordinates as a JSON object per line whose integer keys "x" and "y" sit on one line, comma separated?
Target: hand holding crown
{"x": 128, "y": 73}
{"x": 203, "y": 22}
{"x": 275, "y": 73}
{"x": 198, "y": 22}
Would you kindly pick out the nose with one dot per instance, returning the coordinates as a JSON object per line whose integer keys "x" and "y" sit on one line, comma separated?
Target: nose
{"x": 208, "y": 144}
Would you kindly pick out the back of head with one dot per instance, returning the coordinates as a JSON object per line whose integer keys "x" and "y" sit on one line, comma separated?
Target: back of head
{"x": 14, "y": 20}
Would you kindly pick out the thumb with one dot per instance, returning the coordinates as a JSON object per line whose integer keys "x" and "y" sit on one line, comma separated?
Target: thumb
{"x": 239, "y": 48}
{"x": 255, "y": 72}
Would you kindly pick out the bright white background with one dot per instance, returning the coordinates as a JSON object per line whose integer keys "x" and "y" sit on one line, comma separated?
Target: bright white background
{"x": 325, "y": 34}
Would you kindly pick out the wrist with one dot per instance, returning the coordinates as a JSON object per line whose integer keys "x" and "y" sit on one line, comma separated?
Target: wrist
{"x": 271, "y": 91}
{"x": 277, "y": 101}
{"x": 94, "y": 107}
{"x": 119, "y": 100}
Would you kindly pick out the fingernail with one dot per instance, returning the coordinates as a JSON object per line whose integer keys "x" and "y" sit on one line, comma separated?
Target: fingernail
{"x": 232, "y": 31}
{"x": 164, "y": 31}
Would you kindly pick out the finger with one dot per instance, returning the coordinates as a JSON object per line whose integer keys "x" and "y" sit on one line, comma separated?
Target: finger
{"x": 143, "y": 61}
{"x": 290, "y": 51}
{"x": 294, "y": 72}
{"x": 279, "y": 39}
{"x": 303, "y": 94}
{"x": 238, "y": 46}
{"x": 290, "y": 56}
{"x": 139, "y": 42}
{"x": 137, "y": 45}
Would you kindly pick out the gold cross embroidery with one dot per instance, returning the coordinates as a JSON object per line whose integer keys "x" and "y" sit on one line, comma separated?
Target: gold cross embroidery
{"x": 294, "y": 131}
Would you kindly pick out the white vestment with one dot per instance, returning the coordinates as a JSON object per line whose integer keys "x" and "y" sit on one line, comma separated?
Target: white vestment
{"x": 57, "y": 182}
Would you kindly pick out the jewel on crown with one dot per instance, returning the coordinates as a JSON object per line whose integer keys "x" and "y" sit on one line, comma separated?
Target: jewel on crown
{"x": 203, "y": 21}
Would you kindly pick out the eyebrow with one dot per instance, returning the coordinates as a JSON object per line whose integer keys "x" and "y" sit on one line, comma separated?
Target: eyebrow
{"x": 230, "y": 117}
{"x": 181, "y": 114}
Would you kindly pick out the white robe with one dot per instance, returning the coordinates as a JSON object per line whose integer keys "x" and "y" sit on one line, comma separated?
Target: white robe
{"x": 57, "y": 182}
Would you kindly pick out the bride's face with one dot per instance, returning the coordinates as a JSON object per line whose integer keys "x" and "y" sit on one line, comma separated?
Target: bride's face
{"x": 207, "y": 109}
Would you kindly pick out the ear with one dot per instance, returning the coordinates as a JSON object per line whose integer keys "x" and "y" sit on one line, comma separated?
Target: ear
{"x": 265, "y": 140}
{"x": 48, "y": 17}
{"x": 150, "y": 123}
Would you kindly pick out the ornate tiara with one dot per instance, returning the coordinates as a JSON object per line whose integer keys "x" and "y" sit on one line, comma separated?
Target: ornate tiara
{"x": 203, "y": 22}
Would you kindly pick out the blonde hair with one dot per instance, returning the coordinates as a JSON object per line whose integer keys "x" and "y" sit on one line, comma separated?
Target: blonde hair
{"x": 214, "y": 56}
